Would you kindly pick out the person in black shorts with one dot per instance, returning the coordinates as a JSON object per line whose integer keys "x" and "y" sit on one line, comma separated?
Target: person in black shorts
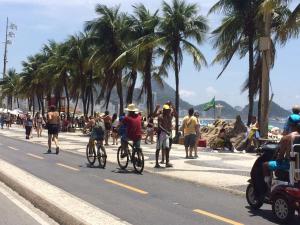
{"x": 53, "y": 124}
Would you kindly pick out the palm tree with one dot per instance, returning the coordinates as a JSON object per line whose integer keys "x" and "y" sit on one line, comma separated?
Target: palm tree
{"x": 10, "y": 86}
{"x": 237, "y": 35}
{"x": 81, "y": 69}
{"x": 109, "y": 34}
{"x": 269, "y": 9}
{"x": 143, "y": 25}
{"x": 180, "y": 24}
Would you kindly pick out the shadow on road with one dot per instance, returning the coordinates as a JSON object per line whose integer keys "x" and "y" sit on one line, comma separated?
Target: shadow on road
{"x": 124, "y": 171}
{"x": 268, "y": 215}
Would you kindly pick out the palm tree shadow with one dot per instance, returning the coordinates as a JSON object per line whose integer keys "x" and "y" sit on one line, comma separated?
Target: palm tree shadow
{"x": 268, "y": 215}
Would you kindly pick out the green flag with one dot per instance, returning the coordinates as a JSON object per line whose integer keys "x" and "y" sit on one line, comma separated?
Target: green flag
{"x": 210, "y": 105}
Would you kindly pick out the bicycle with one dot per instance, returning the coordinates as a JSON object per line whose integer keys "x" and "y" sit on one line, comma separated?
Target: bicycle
{"x": 92, "y": 156}
{"x": 128, "y": 152}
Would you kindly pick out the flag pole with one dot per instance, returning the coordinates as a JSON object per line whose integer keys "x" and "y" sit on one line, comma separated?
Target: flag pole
{"x": 215, "y": 113}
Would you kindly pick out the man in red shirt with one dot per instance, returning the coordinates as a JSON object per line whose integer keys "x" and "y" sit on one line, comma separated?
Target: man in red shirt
{"x": 133, "y": 122}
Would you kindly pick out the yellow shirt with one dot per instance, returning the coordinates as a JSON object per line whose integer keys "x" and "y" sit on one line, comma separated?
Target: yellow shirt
{"x": 189, "y": 125}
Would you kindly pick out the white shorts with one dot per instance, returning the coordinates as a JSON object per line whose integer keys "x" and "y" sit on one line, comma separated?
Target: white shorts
{"x": 163, "y": 141}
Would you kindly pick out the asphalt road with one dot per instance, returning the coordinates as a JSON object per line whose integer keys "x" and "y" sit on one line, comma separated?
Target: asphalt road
{"x": 137, "y": 199}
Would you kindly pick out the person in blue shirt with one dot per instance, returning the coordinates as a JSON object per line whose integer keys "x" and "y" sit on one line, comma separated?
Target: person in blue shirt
{"x": 287, "y": 127}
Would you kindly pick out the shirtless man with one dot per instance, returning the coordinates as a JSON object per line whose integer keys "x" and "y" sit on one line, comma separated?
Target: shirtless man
{"x": 282, "y": 159}
{"x": 53, "y": 124}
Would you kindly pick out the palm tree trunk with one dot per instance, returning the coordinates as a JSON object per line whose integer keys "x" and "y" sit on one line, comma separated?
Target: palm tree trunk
{"x": 177, "y": 88}
{"x": 43, "y": 106}
{"x": 259, "y": 100}
{"x": 251, "y": 80}
{"x": 77, "y": 98}
{"x": 149, "y": 84}
{"x": 59, "y": 104}
{"x": 265, "y": 80}
{"x": 39, "y": 102}
{"x": 33, "y": 105}
{"x": 83, "y": 102}
{"x": 88, "y": 96}
{"x": 29, "y": 104}
{"x": 120, "y": 93}
{"x": 92, "y": 102}
{"x": 133, "y": 78}
{"x": 67, "y": 96}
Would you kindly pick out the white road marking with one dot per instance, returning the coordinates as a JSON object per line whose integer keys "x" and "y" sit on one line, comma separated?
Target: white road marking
{"x": 23, "y": 207}
{"x": 68, "y": 167}
{"x": 15, "y": 149}
{"x": 35, "y": 156}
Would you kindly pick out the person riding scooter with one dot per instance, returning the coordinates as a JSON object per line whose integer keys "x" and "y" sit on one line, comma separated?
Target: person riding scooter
{"x": 283, "y": 154}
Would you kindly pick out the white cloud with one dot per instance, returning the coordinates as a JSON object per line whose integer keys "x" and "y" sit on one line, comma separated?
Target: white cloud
{"x": 298, "y": 96}
{"x": 187, "y": 94}
{"x": 211, "y": 91}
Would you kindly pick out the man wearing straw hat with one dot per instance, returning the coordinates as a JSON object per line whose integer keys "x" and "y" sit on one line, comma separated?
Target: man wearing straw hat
{"x": 133, "y": 122}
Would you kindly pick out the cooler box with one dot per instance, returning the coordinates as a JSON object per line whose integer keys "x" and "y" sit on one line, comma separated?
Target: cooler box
{"x": 202, "y": 143}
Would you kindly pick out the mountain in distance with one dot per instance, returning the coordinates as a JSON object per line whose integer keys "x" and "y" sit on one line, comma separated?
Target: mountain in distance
{"x": 238, "y": 108}
{"x": 166, "y": 93}
{"x": 276, "y": 111}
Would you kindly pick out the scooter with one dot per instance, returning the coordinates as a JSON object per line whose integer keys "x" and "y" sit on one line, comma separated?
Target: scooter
{"x": 284, "y": 193}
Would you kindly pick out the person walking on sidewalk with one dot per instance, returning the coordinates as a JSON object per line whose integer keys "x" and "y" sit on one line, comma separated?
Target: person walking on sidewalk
{"x": 53, "y": 124}
{"x": 164, "y": 134}
{"x": 189, "y": 127}
{"x": 107, "y": 124}
{"x": 28, "y": 122}
{"x": 150, "y": 130}
{"x": 198, "y": 134}
{"x": 38, "y": 123}
{"x": 2, "y": 119}
{"x": 114, "y": 132}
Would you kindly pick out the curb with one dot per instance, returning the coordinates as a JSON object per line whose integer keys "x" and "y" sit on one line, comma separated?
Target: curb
{"x": 59, "y": 206}
{"x": 48, "y": 207}
{"x": 150, "y": 170}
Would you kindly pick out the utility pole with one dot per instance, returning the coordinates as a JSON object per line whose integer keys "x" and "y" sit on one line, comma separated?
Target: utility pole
{"x": 265, "y": 47}
{"x": 9, "y": 34}
{"x": 5, "y": 49}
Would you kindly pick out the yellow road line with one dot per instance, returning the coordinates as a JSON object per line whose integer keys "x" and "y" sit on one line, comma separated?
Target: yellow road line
{"x": 127, "y": 186}
{"x": 68, "y": 167}
{"x": 15, "y": 149}
{"x": 35, "y": 156}
{"x": 214, "y": 216}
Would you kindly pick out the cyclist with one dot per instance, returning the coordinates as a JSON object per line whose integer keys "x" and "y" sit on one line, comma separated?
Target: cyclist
{"x": 97, "y": 133}
{"x": 133, "y": 123}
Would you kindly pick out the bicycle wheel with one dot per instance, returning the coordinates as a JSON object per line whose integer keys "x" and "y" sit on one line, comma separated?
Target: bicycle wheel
{"x": 138, "y": 160}
{"x": 123, "y": 157}
{"x": 91, "y": 154}
{"x": 101, "y": 155}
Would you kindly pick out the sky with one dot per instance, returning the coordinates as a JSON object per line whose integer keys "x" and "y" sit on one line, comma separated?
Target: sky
{"x": 41, "y": 20}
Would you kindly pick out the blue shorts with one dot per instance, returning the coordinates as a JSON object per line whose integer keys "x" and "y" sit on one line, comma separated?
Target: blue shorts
{"x": 96, "y": 136}
{"x": 279, "y": 165}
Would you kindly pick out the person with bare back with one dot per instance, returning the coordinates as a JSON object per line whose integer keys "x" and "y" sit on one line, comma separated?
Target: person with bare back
{"x": 53, "y": 124}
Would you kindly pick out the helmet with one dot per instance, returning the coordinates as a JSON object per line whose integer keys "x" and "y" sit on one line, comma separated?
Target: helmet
{"x": 296, "y": 109}
{"x": 166, "y": 107}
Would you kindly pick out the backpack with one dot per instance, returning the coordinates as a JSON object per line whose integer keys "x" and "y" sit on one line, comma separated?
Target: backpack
{"x": 98, "y": 128}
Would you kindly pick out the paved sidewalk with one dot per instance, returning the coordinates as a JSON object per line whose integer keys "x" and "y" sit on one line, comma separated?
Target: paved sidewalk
{"x": 228, "y": 171}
